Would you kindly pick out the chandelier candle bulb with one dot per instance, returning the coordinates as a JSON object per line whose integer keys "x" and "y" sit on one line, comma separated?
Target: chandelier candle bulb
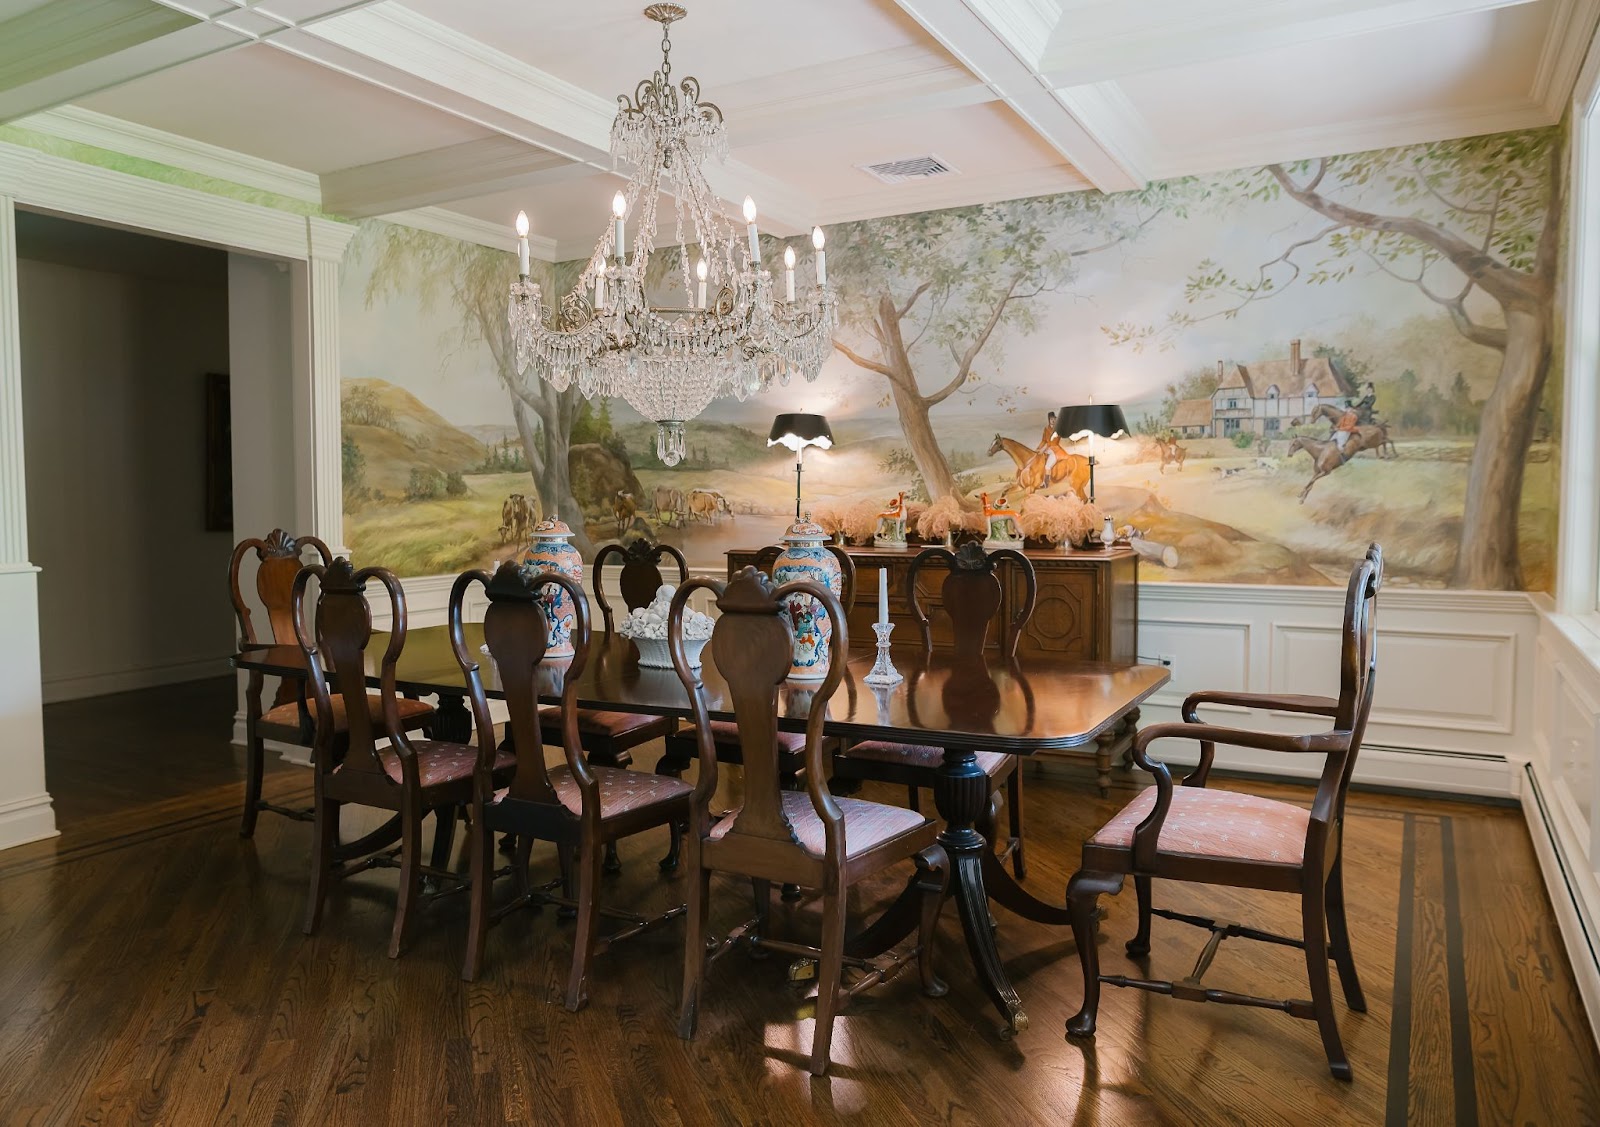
{"x": 700, "y": 273}
{"x": 522, "y": 243}
{"x": 822, "y": 257}
{"x": 755, "y": 238}
{"x": 788, "y": 274}
{"x": 619, "y": 208}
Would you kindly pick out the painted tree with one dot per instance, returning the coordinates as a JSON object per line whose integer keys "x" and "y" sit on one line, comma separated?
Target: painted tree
{"x": 475, "y": 283}
{"x": 1474, "y": 225}
{"x": 934, "y": 291}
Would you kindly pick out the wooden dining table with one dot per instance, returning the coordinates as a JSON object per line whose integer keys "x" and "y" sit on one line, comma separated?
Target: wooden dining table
{"x": 966, "y": 706}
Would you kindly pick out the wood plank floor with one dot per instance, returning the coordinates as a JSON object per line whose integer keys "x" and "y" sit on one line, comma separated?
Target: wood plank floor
{"x": 152, "y": 970}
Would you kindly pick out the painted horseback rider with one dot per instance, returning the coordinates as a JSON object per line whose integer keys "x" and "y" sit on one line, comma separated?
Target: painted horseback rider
{"x": 1364, "y": 407}
{"x": 1050, "y": 445}
{"x": 1357, "y": 413}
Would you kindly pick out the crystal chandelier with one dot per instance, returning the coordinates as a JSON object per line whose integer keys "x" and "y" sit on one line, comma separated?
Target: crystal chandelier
{"x": 670, "y": 363}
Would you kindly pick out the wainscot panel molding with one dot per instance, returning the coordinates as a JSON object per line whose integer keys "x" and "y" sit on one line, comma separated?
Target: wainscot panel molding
{"x": 1561, "y": 795}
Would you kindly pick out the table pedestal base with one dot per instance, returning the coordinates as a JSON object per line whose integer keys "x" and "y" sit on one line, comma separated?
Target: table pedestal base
{"x": 976, "y": 877}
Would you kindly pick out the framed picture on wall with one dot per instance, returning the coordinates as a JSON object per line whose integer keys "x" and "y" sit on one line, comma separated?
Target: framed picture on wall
{"x": 219, "y": 454}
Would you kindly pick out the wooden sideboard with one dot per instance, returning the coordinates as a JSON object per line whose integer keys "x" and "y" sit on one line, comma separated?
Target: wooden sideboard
{"x": 1088, "y": 608}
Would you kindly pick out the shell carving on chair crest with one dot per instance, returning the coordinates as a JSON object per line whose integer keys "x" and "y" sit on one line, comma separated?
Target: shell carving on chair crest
{"x": 277, "y": 545}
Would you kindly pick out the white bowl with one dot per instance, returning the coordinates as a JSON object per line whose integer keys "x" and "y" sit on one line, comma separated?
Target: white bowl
{"x": 654, "y": 654}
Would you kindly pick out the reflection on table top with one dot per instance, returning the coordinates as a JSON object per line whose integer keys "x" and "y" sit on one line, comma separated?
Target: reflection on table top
{"x": 986, "y": 705}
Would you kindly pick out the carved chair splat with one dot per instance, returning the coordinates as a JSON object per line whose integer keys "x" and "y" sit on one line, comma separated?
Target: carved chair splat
{"x": 972, "y": 597}
{"x": 409, "y": 777}
{"x": 278, "y": 562}
{"x": 581, "y": 807}
{"x": 807, "y": 837}
{"x": 1289, "y": 850}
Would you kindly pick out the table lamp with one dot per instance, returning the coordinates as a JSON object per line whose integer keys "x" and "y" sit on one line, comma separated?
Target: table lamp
{"x": 797, "y": 431}
{"x": 1103, "y": 419}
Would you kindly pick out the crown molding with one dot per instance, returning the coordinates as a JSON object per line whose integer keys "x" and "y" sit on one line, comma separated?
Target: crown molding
{"x": 1566, "y": 43}
{"x": 466, "y": 229}
{"x": 102, "y": 131}
{"x": 1375, "y": 133}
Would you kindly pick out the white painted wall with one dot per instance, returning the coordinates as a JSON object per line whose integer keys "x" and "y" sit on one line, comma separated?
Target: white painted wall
{"x": 115, "y": 458}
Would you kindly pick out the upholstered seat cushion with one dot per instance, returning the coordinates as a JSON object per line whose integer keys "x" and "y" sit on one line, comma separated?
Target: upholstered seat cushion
{"x": 439, "y": 761}
{"x": 605, "y": 725}
{"x": 727, "y": 732}
{"x": 867, "y": 825}
{"x": 991, "y": 763}
{"x": 620, "y": 791}
{"x": 1216, "y": 823}
{"x": 412, "y": 713}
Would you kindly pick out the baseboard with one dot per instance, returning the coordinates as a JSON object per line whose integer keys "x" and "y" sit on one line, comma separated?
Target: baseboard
{"x": 27, "y": 819}
{"x": 57, "y": 689}
{"x": 1573, "y": 888}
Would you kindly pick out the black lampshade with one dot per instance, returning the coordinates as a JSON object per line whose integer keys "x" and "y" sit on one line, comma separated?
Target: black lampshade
{"x": 1104, "y": 419}
{"x": 797, "y": 431}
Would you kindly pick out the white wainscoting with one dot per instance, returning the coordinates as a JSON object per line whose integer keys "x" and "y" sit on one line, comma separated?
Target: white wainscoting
{"x": 1454, "y": 706}
{"x": 1561, "y": 795}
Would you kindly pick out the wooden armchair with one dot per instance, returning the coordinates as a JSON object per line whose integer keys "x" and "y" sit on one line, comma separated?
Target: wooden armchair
{"x": 684, "y": 746}
{"x": 1189, "y": 833}
{"x": 971, "y": 596}
{"x": 805, "y": 837}
{"x": 579, "y": 807}
{"x": 289, "y": 719}
{"x": 409, "y": 777}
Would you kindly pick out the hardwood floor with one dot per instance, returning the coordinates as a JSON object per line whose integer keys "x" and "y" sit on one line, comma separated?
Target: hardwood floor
{"x": 153, "y": 970}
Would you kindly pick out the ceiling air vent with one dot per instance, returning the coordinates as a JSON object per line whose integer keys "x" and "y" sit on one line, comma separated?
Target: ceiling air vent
{"x": 908, "y": 169}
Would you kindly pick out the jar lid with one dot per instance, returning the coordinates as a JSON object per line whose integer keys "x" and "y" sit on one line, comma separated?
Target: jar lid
{"x": 805, "y": 529}
{"x": 551, "y": 528}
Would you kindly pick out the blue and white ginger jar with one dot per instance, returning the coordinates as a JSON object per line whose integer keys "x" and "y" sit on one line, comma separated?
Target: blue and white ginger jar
{"x": 552, "y": 550}
{"x": 805, "y": 556}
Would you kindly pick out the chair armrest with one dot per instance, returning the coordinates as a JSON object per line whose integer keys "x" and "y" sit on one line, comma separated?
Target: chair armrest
{"x": 1289, "y": 702}
{"x": 1147, "y": 833}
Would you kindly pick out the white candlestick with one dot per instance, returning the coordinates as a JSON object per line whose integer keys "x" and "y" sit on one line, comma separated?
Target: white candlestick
{"x": 883, "y": 594}
{"x": 700, "y": 272}
{"x": 788, "y": 274}
{"x": 522, "y": 243}
{"x": 822, "y": 257}
{"x": 755, "y": 238}
{"x": 619, "y": 208}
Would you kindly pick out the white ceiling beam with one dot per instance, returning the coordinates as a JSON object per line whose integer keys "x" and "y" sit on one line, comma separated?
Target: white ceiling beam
{"x": 983, "y": 47}
{"x": 69, "y": 49}
{"x": 1095, "y": 41}
{"x": 401, "y": 51}
{"x": 472, "y": 168}
{"x": 842, "y": 93}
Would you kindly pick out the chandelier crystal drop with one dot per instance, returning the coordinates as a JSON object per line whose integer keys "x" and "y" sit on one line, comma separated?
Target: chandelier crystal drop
{"x": 735, "y": 333}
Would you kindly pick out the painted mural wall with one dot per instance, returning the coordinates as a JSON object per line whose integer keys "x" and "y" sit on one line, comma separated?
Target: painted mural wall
{"x": 1310, "y": 356}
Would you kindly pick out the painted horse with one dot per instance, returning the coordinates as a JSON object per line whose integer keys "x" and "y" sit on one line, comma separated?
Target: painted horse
{"x": 1071, "y": 468}
{"x": 1171, "y": 453}
{"x": 1367, "y": 436}
{"x": 1325, "y": 457}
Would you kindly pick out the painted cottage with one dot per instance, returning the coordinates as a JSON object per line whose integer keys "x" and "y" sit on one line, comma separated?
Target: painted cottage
{"x": 1263, "y": 398}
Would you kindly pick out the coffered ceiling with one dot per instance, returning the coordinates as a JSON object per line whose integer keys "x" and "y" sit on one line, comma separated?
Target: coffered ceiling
{"x": 460, "y": 112}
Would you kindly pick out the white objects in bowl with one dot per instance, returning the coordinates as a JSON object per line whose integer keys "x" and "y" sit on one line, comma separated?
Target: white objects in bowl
{"x": 647, "y": 628}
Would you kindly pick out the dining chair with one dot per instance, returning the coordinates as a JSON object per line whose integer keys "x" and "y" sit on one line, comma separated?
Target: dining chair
{"x": 682, "y": 747}
{"x": 580, "y": 807}
{"x": 1190, "y": 833}
{"x": 971, "y": 596}
{"x": 610, "y": 737}
{"x": 806, "y": 837}
{"x": 290, "y": 720}
{"x": 408, "y": 777}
